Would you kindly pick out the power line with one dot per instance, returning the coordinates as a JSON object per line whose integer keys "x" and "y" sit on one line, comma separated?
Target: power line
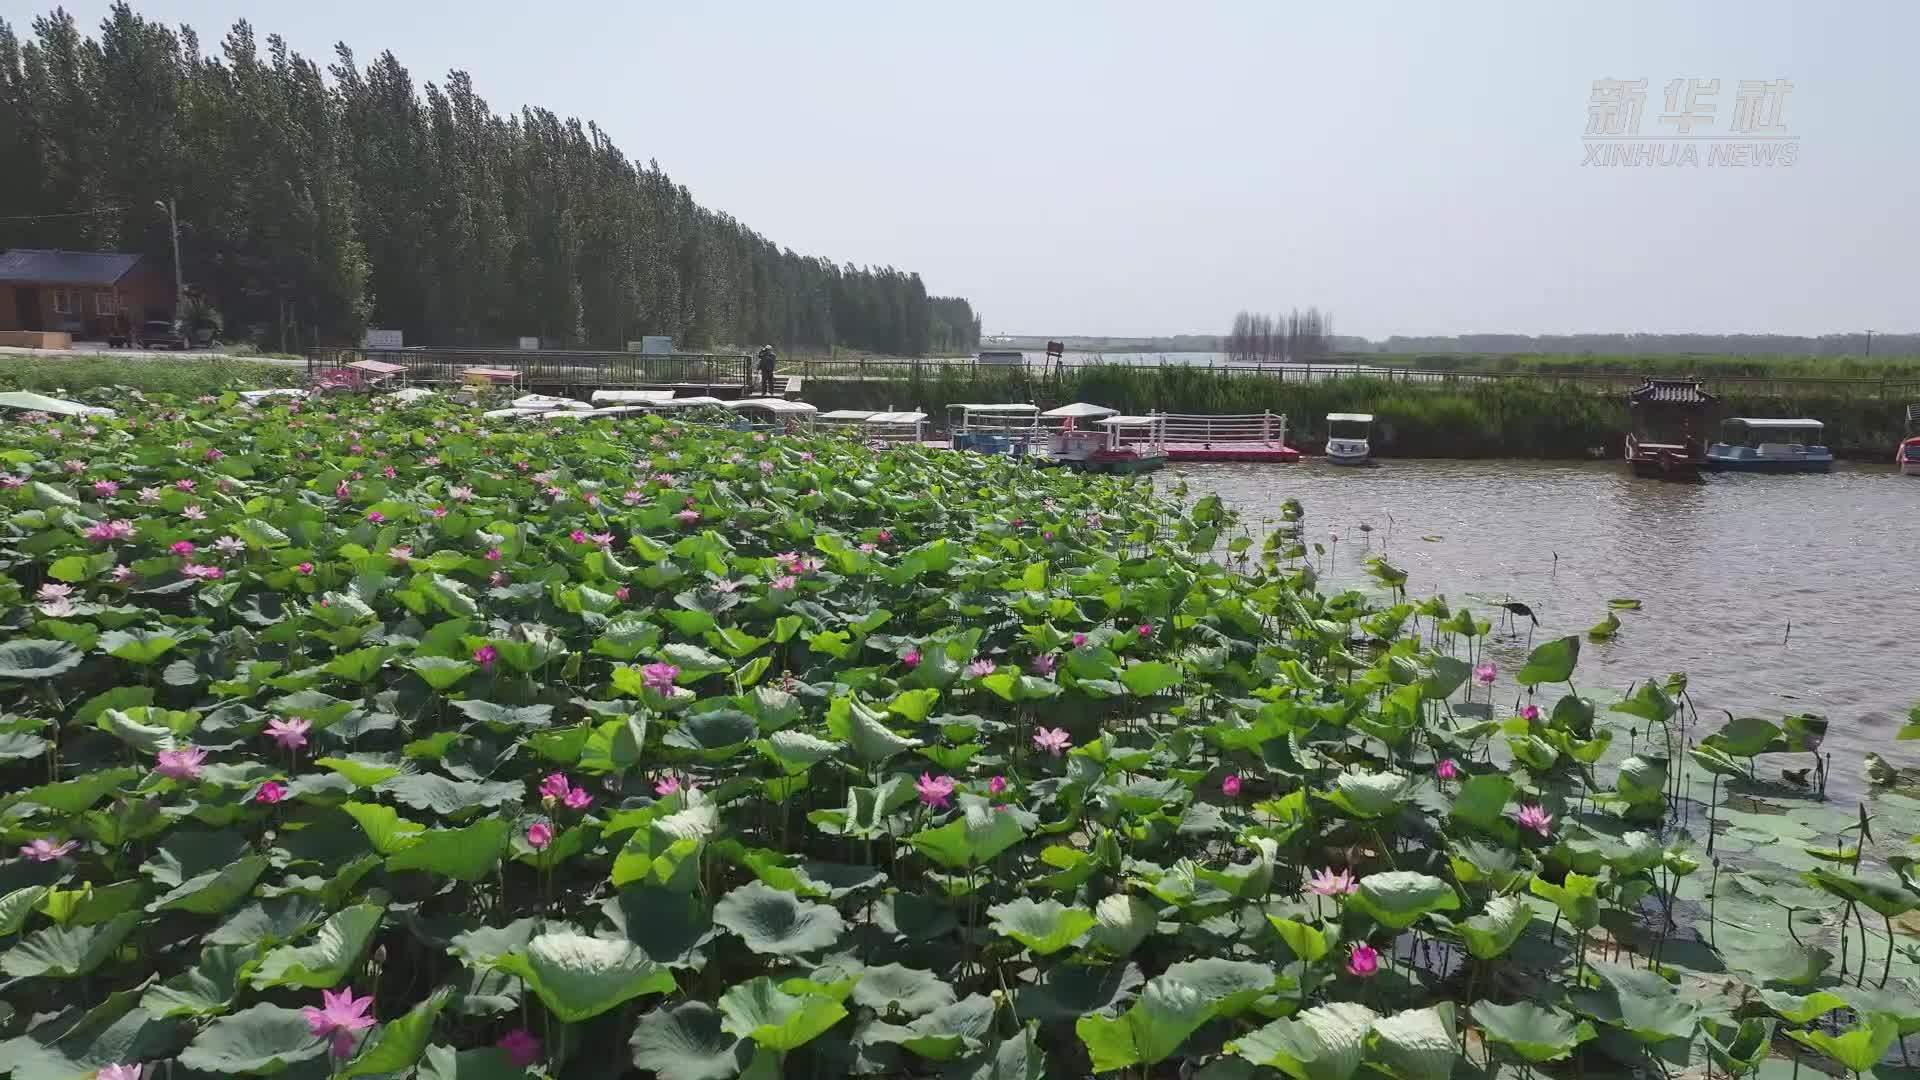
{"x": 75, "y": 213}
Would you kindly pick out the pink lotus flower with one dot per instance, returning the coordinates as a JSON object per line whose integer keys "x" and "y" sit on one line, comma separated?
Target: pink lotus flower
{"x": 912, "y": 658}
{"x": 229, "y": 545}
{"x": 493, "y": 555}
{"x": 935, "y": 791}
{"x": 53, "y": 591}
{"x": 520, "y": 1047}
{"x": 485, "y": 655}
{"x": 214, "y": 453}
{"x": 9, "y": 480}
{"x": 130, "y": 1071}
{"x": 1446, "y": 769}
{"x": 270, "y": 792}
{"x": 577, "y": 799}
{"x": 106, "y": 489}
{"x": 400, "y": 551}
{"x": 439, "y": 511}
{"x": 1530, "y": 713}
{"x": 1052, "y": 740}
{"x": 539, "y": 835}
{"x": 766, "y": 468}
{"x": 980, "y": 669}
{"x": 150, "y": 495}
{"x": 868, "y": 549}
{"x": 578, "y": 536}
{"x": 184, "y": 764}
{"x": 688, "y": 517}
{"x": 1534, "y": 816}
{"x": 633, "y": 496}
{"x": 659, "y": 677}
{"x": 601, "y": 539}
{"x": 339, "y": 1016}
{"x": 997, "y": 786}
{"x": 119, "y": 529}
{"x": 183, "y": 484}
{"x": 204, "y": 573}
{"x": 460, "y": 493}
{"x": 290, "y": 733}
{"x": 666, "y": 785}
{"x": 623, "y": 594}
{"x": 497, "y": 579}
{"x": 1483, "y": 674}
{"x": 555, "y": 786}
{"x": 725, "y": 586}
{"x": 389, "y": 472}
{"x": 74, "y": 465}
{"x": 883, "y": 536}
{"x": 303, "y": 568}
{"x": 1230, "y": 786}
{"x": 1363, "y": 961}
{"x": 193, "y": 513}
{"x": 1043, "y": 664}
{"x": 44, "y": 850}
{"x": 181, "y": 547}
{"x": 123, "y": 574}
{"x": 1145, "y": 629}
{"x": 376, "y": 517}
{"x": 785, "y": 582}
{"x": 342, "y": 491}
{"x": 663, "y": 479}
{"x": 1079, "y": 641}
{"x": 1331, "y": 882}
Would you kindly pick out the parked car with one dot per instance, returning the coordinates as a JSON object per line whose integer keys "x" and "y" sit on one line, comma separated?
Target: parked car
{"x": 160, "y": 334}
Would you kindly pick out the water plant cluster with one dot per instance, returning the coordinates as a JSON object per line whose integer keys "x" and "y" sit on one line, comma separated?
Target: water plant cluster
{"x": 347, "y": 739}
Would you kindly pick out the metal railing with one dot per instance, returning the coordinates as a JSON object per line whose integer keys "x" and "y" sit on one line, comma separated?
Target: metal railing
{"x": 555, "y": 368}
{"x": 1265, "y": 428}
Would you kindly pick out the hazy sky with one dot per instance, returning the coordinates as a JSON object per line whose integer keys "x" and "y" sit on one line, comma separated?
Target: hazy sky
{"x": 1149, "y": 168}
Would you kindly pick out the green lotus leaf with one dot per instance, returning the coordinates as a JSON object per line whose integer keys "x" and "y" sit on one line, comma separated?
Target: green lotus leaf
{"x": 774, "y": 1019}
{"x": 687, "y": 1042}
{"x": 1149, "y": 678}
{"x": 257, "y": 1041}
{"x": 776, "y": 922}
{"x": 450, "y": 798}
{"x": 1122, "y": 923}
{"x": 670, "y": 927}
{"x": 1882, "y": 894}
{"x": 1858, "y": 1048}
{"x": 1738, "y": 1049}
{"x": 1046, "y": 927}
{"x": 268, "y": 922}
{"x": 36, "y": 659}
{"x": 397, "y": 1045}
{"x": 580, "y": 977}
{"x": 76, "y": 1044}
{"x": 1649, "y": 701}
{"x": 1326, "y": 1042}
{"x": 65, "y": 952}
{"x": 213, "y": 892}
{"x": 1150, "y": 1031}
{"x": 910, "y": 990}
{"x": 136, "y": 646}
{"x": 386, "y": 830}
{"x": 1802, "y": 1010}
{"x": 1418, "y": 1044}
{"x": 464, "y": 854}
{"x": 206, "y": 989}
{"x": 942, "y": 1034}
{"x": 326, "y": 960}
{"x": 1550, "y": 663}
{"x": 1536, "y": 1034}
{"x": 1398, "y": 898}
{"x": 1368, "y": 795}
{"x": 1491, "y": 933}
{"x": 1640, "y": 1003}
{"x": 506, "y": 717}
{"x": 976, "y": 836}
{"x": 1228, "y": 986}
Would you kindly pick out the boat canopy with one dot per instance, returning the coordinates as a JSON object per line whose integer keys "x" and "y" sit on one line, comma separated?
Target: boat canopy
{"x": 850, "y": 416}
{"x": 547, "y": 403}
{"x": 776, "y": 406}
{"x": 687, "y": 402}
{"x": 1080, "y": 410}
{"x": 26, "y": 399}
{"x": 631, "y": 397}
{"x": 895, "y": 417}
{"x": 1761, "y": 424}
{"x": 1129, "y": 421}
{"x": 1006, "y": 409}
{"x": 1353, "y": 417}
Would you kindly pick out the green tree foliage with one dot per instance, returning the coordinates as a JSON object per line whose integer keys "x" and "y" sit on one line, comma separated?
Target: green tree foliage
{"x": 315, "y": 203}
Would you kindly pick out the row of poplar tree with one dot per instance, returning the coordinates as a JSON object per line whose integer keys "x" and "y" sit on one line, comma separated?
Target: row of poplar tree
{"x": 313, "y": 203}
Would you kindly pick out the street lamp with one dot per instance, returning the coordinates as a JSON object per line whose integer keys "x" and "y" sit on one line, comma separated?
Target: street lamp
{"x": 179, "y": 287}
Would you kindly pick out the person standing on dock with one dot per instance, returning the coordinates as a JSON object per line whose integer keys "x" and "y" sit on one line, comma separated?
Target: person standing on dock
{"x": 766, "y": 369}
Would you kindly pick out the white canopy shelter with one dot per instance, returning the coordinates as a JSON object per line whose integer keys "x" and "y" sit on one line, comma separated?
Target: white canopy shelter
{"x": 1080, "y": 410}
{"x": 630, "y": 397}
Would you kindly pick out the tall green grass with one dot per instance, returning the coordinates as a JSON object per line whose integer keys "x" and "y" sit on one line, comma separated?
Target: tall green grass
{"x": 72, "y": 375}
{"x": 1475, "y": 419}
{"x": 1754, "y": 366}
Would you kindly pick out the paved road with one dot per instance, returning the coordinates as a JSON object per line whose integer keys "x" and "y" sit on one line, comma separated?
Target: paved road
{"x": 86, "y": 351}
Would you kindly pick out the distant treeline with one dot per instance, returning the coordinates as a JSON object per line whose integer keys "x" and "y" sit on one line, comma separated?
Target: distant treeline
{"x": 1664, "y": 344}
{"x": 314, "y": 203}
{"x": 1297, "y": 337}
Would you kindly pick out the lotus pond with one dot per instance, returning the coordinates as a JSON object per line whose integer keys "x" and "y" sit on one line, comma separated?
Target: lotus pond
{"x": 344, "y": 739}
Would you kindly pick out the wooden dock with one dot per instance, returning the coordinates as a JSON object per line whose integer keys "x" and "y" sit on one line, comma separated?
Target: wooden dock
{"x": 565, "y": 373}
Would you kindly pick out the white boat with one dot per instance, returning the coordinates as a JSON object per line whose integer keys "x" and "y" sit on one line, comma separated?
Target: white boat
{"x": 995, "y": 428}
{"x": 775, "y": 413}
{"x": 1756, "y": 444}
{"x": 1075, "y": 442}
{"x": 1349, "y": 438}
{"x": 905, "y": 426}
{"x": 1907, "y": 454}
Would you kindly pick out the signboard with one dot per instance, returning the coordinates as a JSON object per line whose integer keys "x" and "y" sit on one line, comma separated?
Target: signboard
{"x": 530, "y": 344}
{"x": 657, "y": 345}
{"x": 1055, "y": 349}
{"x": 382, "y": 339}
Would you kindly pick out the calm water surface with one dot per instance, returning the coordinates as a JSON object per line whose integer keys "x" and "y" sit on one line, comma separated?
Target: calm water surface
{"x": 1721, "y": 568}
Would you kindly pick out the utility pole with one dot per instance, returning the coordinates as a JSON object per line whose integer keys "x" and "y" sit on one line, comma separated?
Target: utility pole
{"x": 179, "y": 286}
{"x": 1869, "y": 343}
